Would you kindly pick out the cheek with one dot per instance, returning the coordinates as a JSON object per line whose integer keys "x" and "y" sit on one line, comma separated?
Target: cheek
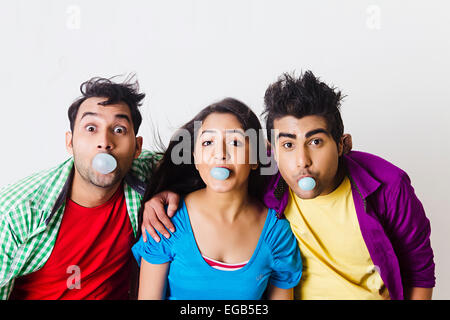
{"x": 80, "y": 148}
{"x": 287, "y": 164}
{"x": 125, "y": 144}
{"x": 242, "y": 172}
{"x": 202, "y": 155}
{"x": 240, "y": 155}
{"x": 288, "y": 170}
{"x": 201, "y": 165}
{"x": 327, "y": 165}
{"x": 84, "y": 147}
{"x": 203, "y": 170}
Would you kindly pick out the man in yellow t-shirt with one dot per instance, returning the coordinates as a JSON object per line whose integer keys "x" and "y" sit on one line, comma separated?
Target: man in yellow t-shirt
{"x": 336, "y": 262}
{"x": 362, "y": 232}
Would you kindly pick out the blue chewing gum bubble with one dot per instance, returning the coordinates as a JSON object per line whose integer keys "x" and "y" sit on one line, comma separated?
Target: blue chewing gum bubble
{"x": 307, "y": 183}
{"x": 104, "y": 163}
{"x": 220, "y": 173}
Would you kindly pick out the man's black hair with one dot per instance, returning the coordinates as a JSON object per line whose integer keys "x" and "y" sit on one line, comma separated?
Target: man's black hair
{"x": 300, "y": 97}
{"x": 127, "y": 92}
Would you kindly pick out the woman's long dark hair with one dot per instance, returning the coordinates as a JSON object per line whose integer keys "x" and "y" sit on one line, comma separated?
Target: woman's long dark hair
{"x": 183, "y": 178}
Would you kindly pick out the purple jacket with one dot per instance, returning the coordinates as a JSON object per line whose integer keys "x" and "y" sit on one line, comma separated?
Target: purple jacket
{"x": 391, "y": 218}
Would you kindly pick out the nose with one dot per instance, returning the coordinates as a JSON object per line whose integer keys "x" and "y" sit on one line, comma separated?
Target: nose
{"x": 105, "y": 142}
{"x": 221, "y": 152}
{"x": 303, "y": 159}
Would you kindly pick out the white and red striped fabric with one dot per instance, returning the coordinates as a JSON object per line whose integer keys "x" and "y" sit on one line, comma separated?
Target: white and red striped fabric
{"x": 224, "y": 266}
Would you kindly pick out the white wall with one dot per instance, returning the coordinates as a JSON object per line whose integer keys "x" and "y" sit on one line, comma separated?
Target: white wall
{"x": 389, "y": 57}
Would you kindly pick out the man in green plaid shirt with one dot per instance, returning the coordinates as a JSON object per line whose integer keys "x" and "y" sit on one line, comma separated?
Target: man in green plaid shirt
{"x": 105, "y": 119}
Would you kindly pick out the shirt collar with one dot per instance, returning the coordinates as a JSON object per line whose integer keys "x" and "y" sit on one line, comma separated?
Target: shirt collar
{"x": 365, "y": 182}
{"x": 58, "y": 187}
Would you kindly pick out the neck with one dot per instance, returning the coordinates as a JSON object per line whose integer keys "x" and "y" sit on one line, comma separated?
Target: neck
{"x": 88, "y": 195}
{"x": 227, "y": 205}
{"x": 340, "y": 175}
{"x": 335, "y": 182}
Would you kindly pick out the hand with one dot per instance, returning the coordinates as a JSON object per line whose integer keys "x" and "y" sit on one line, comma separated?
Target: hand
{"x": 155, "y": 216}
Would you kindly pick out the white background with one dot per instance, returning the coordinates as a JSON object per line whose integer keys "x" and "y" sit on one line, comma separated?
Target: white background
{"x": 391, "y": 59}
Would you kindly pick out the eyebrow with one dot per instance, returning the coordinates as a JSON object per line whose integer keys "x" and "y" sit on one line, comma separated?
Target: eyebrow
{"x": 94, "y": 114}
{"x": 287, "y": 135}
{"x": 226, "y": 131}
{"x": 307, "y": 135}
{"x": 316, "y": 131}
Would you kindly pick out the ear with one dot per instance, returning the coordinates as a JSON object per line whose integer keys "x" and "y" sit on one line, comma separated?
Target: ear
{"x": 69, "y": 146}
{"x": 347, "y": 143}
{"x": 138, "y": 151}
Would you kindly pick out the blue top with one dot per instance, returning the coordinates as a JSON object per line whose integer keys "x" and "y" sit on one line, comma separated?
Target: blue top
{"x": 276, "y": 259}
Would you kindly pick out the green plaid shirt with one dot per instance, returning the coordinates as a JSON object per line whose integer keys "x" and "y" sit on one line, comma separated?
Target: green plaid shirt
{"x": 31, "y": 211}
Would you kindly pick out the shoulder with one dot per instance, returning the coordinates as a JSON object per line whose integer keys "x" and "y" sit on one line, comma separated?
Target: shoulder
{"x": 180, "y": 221}
{"x": 377, "y": 167}
{"x": 36, "y": 189}
{"x": 144, "y": 164}
{"x": 147, "y": 155}
{"x": 24, "y": 204}
{"x": 181, "y": 217}
{"x": 277, "y": 231}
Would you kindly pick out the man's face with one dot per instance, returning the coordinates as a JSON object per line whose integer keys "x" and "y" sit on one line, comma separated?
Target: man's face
{"x": 304, "y": 147}
{"x": 103, "y": 129}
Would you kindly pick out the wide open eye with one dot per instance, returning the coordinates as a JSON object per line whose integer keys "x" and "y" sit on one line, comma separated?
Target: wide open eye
{"x": 120, "y": 130}
{"x": 90, "y": 128}
{"x": 316, "y": 142}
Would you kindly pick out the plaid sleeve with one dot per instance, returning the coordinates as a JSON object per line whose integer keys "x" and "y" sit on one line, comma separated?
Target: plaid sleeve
{"x": 8, "y": 250}
{"x": 142, "y": 167}
{"x": 24, "y": 246}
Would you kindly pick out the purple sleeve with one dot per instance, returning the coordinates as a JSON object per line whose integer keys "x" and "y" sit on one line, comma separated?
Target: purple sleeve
{"x": 276, "y": 194}
{"x": 409, "y": 231}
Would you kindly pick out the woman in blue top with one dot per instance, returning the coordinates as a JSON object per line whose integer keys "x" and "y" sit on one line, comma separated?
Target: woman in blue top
{"x": 227, "y": 244}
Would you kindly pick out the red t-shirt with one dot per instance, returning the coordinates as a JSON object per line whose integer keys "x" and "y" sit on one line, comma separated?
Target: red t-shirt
{"x": 91, "y": 258}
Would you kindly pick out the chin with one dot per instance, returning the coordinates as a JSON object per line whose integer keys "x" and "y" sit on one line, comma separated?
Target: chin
{"x": 105, "y": 181}
{"x": 220, "y": 189}
{"x": 306, "y": 195}
{"x": 221, "y": 186}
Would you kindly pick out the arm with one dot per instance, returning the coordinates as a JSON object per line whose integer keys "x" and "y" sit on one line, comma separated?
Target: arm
{"x": 275, "y": 293}
{"x": 8, "y": 250}
{"x": 417, "y": 293}
{"x": 155, "y": 216}
{"x": 409, "y": 231}
{"x": 152, "y": 281}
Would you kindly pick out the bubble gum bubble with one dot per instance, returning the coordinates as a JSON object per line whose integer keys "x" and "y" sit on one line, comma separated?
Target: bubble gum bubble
{"x": 104, "y": 163}
{"x": 307, "y": 183}
{"x": 220, "y": 173}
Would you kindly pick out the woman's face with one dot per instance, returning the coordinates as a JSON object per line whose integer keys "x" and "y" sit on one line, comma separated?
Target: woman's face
{"x": 221, "y": 142}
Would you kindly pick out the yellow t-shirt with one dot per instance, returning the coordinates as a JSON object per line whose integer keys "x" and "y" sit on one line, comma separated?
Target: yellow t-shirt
{"x": 336, "y": 262}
